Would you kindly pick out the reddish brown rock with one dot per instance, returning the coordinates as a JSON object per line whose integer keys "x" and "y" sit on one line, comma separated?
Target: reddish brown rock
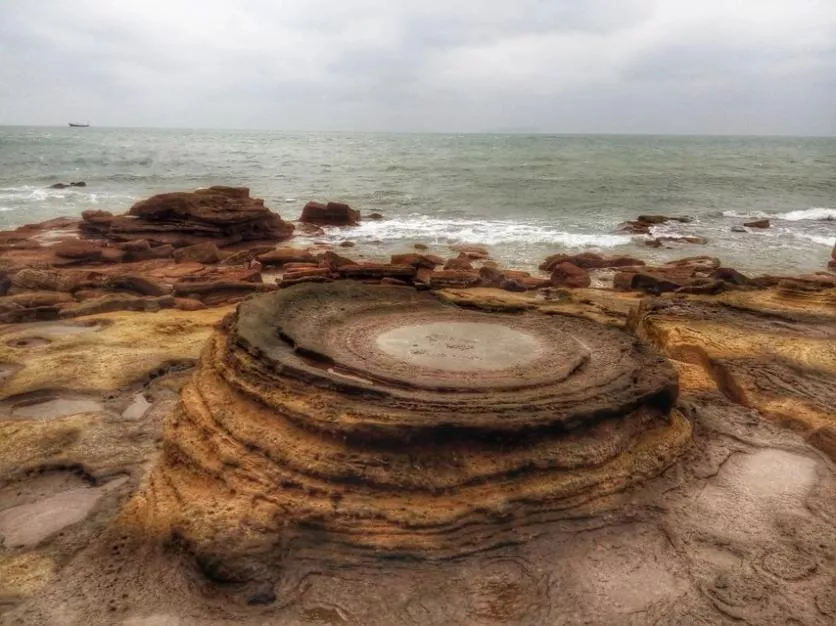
{"x": 188, "y": 304}
{"x": 334, "y": 261}
{"x": 757, "y": 224}
{"x": 347, "y": 244}
{"x": 226, "y": 215}
{"x": 199, "y": 253}
{"x": 429, "y": 261}
{"x": 731, "y": 276}
{"x": 509, "y": 284}
{"x": 376, "y": 271}
{"x": 118, "y": 302}
{"x": 461, "y": 262}
{"x": 695, "y": 263}
{"x": 491, "y": 276}
{"x": 80, "y": 250}
{"x": 283, "y": 256}
{"x": 443, "y": 279}
{"x": 569, "y": 275}
{"x": 421, "y": 246}
{"x": 589, "y": 260}
{"x": 331, "y": 214}
{"x": 654, "y": 284}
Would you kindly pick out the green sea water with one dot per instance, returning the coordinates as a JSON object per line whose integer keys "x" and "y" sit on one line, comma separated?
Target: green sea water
{"x": 524, "y": 196}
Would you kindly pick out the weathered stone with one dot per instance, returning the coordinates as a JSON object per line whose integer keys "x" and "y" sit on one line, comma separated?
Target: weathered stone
{"x": 589, "y": 260}
{"x": 283, "y": 256}
{"x": 199, "y": 253}
{"x": 429, "y": 261}
{"x": 461, "y": 262}
{"x": 443, "y": 279}
{"x": 331, "y": 214}
{"x": 569, "y": 275}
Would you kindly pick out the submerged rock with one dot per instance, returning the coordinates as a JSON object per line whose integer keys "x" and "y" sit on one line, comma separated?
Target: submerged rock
{"x": 330, "y": 214}
{"x": 758, "y": 224}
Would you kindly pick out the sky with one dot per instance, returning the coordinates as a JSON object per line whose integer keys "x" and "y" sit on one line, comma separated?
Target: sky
{"x": 564, "y": 66}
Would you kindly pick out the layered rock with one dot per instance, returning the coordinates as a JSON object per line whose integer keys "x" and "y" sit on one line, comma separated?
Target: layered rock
{"x": 224, "y": 215}
{"x": 330, "y": 214}
{"x": 356, "y": 417}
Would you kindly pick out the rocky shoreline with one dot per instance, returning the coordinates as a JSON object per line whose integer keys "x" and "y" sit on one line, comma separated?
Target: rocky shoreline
{"x": 207, "y": 417}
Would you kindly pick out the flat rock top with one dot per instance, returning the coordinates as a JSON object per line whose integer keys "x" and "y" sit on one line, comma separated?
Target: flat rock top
{"x": 428, "y": 363}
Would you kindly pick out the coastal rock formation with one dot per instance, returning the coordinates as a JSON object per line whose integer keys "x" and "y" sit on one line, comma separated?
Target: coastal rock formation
{"x": 224, "y": 215}
{"x": 313, "y": 408}
{"x": 757, "y": 224}
{"x": 331, "y": 214}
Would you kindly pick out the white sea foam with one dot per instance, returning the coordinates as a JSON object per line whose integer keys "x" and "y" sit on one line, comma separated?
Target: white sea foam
{"x": 820, "y": 239}
{"x": 488, "y": 232}
{"x": 814, "y": 213}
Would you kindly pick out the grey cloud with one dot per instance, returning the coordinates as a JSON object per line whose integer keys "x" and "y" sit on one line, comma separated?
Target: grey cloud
{"x": 467, "y": 65}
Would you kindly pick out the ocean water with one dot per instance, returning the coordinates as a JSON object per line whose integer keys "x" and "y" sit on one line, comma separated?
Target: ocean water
{"x": 522, "y": 196}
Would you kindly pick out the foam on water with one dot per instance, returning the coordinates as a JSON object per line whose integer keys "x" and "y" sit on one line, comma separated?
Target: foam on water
{"x": 488, "y": 232}
{"x": 814, "y": 213}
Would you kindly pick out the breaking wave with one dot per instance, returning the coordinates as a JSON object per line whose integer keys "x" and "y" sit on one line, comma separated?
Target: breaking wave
{"x": 488, "y": 232}
{"x": 815, "y": 213}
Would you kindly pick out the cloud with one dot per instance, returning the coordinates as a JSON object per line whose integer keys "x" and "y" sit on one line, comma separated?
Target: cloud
{"x": 762, "y": 66}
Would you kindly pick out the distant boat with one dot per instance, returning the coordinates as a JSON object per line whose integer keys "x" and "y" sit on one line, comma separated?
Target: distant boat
{"x": 74, "y": 125}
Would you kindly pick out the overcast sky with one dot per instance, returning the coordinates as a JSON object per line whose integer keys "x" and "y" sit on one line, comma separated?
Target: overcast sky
{"x": 631, "y": 66}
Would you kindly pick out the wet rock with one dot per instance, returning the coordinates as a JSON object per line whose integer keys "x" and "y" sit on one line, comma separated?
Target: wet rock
{"x": 51, "y": 279}
{"x": 738, "y": 229}
{"x": 283, "y": 256}
{"x": 375, "y": 216}
{"x": 188, "y": 304}
{"x": 695, "y": 263}
{"x": 731, "y": 276}
{"x": 225, "y": 215}
{"x": 654, "y": 284}
{"x": 347, "y": 244}
{"x": 376, "y": 271}
{"x": 509, "y": 284}
{"x": 334, "y": 261}
{"x": 444, "y": 279}
{"x": 491, "y": 276}
{"x": 421, "y": 246}
{"x": 703, "y": 286}
{"x": 567, "y": 274}
{"x": 246, "y": 256}
{"x": 331, "y": 214}
{"x": 461, "y": 262}
{"x": 199, "y": 253}
{"x": 758, "y": 224}
{"x": 137, "y": 284}
{"x": 429, "y": 261}
{"x": 589, "y": 260}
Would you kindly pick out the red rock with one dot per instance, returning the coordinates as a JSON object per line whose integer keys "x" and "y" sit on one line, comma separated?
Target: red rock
{"x": 461, "y": 262}
{"x": 695, "y": 263}
{"x": 334, "y": 261}
{"x": 347, "y": 244}
{"x": 509, "y": 284}
{"x": 78, "y": 249}
{"x": 589, "y": 260}
{"x": 443, "y": 279}
{"x": 34, "y": 299}
{"x": 52, "y": 279}
{"x": 223, "y": 214}
{"x": 490, "y": 276}
{"x": 376, "y": 270}
{"x": 757, "y": 224}
{"x": 137, "y": 284}
{"x": 306, "y": 272}
{"x": 283, "y": 256}
{"x": 429, "y": 261}
{"x": 623, "y": 281}
{"x": 199, "y": 253}
{"x": 654, "y": 284}
{"x": 421, "y": 246}
{"x": 569, "y": 275}
{"x": 331, "y": 214}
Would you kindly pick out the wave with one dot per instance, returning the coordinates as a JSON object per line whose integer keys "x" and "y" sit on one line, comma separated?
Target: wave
{"x": 486, "y": 232}
{"x": 814, "y": 213}
{"x": 819, "y": 239}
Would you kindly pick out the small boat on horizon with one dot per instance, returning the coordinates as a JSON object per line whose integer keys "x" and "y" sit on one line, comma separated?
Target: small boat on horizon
{"x": 76, "y": 125}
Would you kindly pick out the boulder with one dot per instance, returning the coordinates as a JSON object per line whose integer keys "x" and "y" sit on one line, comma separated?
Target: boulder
{"x": 509, "y": 284}
{"x": 334, "y": 261}
{"x": 283, "y": 256}
{"x": 199, "y": 253}
{"x": 429, "y": 261}
{"x": 331, "y": 214}
{"x": 347, "y": 244}
{"x": 589, "y": 260}
{"x": 731, "y": 276}
{"x": 567, "y": 274}
{"x": 654, "y": 284}
{"x": 758, "y": 224}
{"x": 472, "y": 252}
{"x": 444, "y": 279}
{"x": 377, "y": 271}
{"x": 491, "y": 276}
{"x": 224, "y": 215}
{"x": 461, "y": 262}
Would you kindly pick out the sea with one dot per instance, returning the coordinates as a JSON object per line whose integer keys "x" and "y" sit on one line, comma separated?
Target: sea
{"x": 522, "y": 196}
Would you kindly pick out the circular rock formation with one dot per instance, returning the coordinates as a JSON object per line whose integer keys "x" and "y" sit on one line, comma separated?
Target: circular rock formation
{"x": 344, "y": 415}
